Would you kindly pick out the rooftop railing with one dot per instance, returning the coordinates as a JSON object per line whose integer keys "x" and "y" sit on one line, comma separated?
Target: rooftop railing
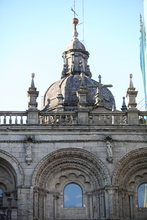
{"x": 13, "y": 117}
{"x": 58, "y": 118}
{"x": 73, "y": 118}
{"x": 108, "y": 118}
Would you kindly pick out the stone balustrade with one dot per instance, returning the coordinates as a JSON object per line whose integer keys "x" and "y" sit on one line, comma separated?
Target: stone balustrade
{"x": 58, "y": 118}
{"x": 72, "y": 118}
{"x": 108, "y": 118}
{"x": 13, "y": 117}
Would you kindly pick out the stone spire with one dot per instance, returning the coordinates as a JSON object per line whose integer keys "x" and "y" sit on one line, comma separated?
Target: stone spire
{"x": 131, "y": 94}
{"x": 33, "y": 94}
{"x": 75, "y": 56}
{"x": 60, "y": 100}
{"x": 124, "y": 107}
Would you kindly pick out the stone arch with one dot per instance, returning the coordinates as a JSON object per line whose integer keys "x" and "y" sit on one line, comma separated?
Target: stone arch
{"x": 130, "y": 172}
{"x": 129, "y": 167}
{"x": 14, "y": 165}
{"x": 66, "y": 166}
{"x": 72, "y": 158}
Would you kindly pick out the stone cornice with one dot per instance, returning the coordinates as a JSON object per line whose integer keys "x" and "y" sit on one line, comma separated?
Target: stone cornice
{"x": 73, "y": 141}
{"x": 49, "y": 128}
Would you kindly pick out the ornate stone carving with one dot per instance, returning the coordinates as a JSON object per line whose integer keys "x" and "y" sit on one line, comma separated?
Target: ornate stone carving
{"x": 133, "y": 162}
{"x": 28, "y": 149}
{"x": 72, "y": 158}
{"x": 109, "y": 149}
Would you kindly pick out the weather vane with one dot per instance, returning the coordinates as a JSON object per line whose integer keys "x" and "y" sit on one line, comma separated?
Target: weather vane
{"x": 74, "y": 10}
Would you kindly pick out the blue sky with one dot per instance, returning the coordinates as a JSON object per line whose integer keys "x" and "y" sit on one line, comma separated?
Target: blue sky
{"x": 73, "y": 196}
{"x": 34, "y": 33}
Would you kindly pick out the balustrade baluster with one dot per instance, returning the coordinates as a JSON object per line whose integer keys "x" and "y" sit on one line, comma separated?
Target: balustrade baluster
{"x": 21, "y": 120}
{"x": 16, "y": 121}
{"x": 44, "y": 119}
{"x": 113, "y": 119}
{"x": 71, "y": 119}
{"x": 49, "y": 120}
{"x": 59, "y": 119}
{"x": 55, "y": 118}
{"x": 10, "y": 119}
{"x": 4, "y": 119}
{"x": 66, "y": 119}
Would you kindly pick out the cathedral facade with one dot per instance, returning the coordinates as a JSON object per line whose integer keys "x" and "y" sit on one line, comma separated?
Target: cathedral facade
{"x": 78, "y": 157}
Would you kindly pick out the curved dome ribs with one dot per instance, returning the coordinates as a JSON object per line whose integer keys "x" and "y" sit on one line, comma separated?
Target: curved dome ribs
{"x": 76, "y": 74}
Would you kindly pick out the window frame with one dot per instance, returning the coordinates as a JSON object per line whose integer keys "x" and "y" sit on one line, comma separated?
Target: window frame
{"x": 138, "y": 203}
{"x": 1, "y": 197}
{"x": 82, "y": 198}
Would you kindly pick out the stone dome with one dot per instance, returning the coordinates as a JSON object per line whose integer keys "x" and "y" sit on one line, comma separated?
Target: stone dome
{"x": 75, "y": 44}
{"x": 69, "y": 87}
{"x": 76, "y": 72}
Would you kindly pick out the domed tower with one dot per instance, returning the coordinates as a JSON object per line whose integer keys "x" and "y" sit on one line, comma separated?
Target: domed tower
{"x": 76, "y": 73}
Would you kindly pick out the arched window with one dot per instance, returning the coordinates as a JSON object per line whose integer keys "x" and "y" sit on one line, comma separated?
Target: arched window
{"x": 1, "y": 197}
{"x": 73, "y": 196}
{"x": 142, "y": 196}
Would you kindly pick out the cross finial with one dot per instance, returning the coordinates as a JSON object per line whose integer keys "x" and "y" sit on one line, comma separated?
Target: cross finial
{"x": 74, "y": 9}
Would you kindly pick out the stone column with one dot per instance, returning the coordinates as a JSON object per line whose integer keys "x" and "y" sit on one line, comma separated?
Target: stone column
{"x": 35, "y": 205}
{"x": 102, "y": 205}
{"x": 90, "y": 205}
{"x": 25, "y": 203}
{"x": 55, "y": 197}
{"x": 112, "y": 202}
{"x": 99, "y": 210}
{"x": 41, "y": 197}
{"x": 131, "y": 206}
{"x": 96, "y": 210}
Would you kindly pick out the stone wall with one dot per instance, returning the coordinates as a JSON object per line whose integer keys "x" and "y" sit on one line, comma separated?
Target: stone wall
{"x": 45, "y": 159}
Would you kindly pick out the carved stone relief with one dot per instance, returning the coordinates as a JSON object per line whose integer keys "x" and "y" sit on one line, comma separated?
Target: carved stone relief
{"x": 109, "y": 149}
{"x": 28, "y": 149}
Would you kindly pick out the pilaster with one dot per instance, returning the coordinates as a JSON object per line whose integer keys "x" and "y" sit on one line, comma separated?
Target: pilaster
{"x": 25, "y": 203}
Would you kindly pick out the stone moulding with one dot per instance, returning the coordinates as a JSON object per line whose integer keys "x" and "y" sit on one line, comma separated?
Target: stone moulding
{"x": 71, "y": 158}
{"x": 15, "y": 165}
{"x": 133, "y": 161}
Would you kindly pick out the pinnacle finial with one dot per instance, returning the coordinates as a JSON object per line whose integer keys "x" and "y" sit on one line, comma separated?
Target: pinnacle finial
{"x": 131, "y": 94}
{"x": 75, "y": 21}
{"x": 60, "y": 99}
{"x": 33, "y": 94}
{"x": 100, "y": 78}
{"x": 32, "y": 82}
{"x": 33, "y": 75}
{"x": 124, "y": 107}
{"x": 141, "y": 19}
{"x": 131, "y": 86}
